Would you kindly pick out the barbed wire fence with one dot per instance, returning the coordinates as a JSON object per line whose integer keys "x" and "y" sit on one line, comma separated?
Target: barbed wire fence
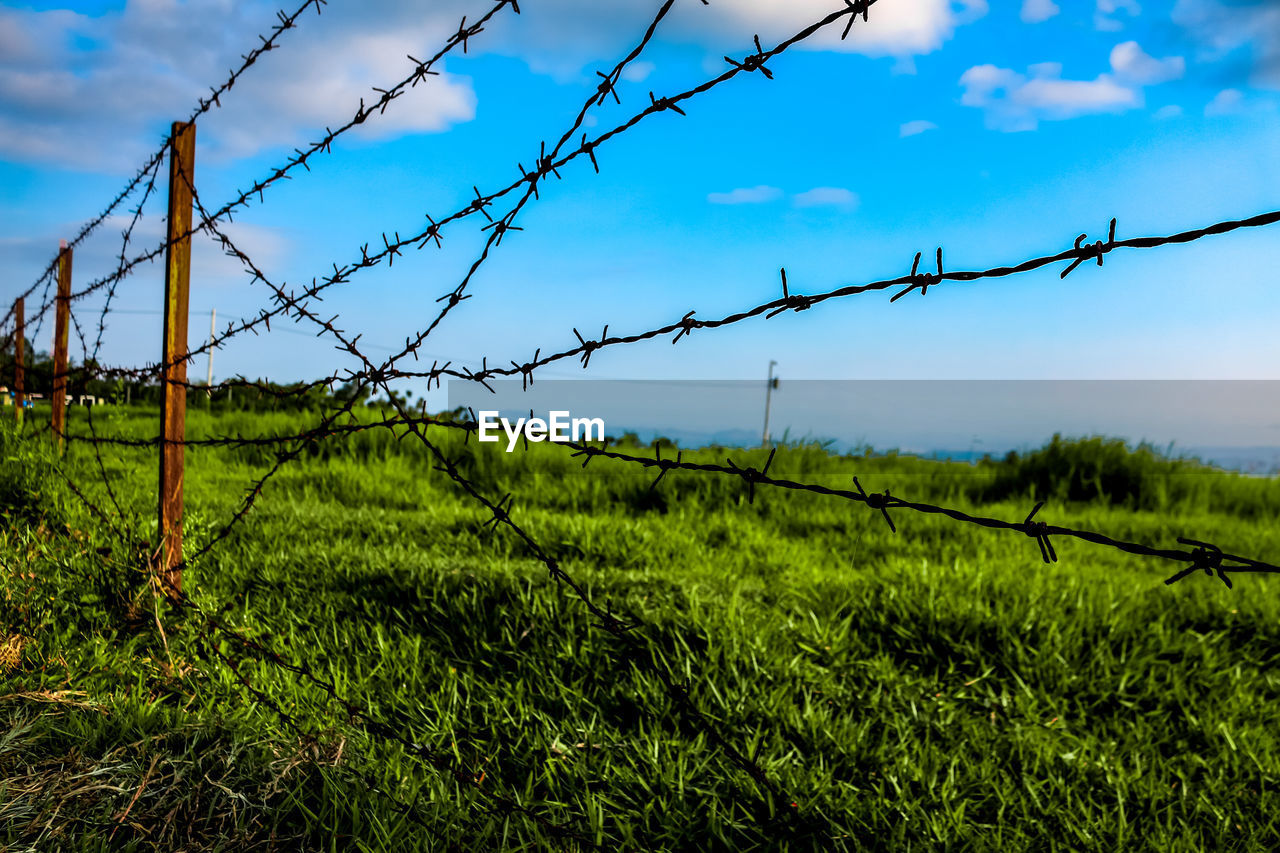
{"x": 500, "y": 209}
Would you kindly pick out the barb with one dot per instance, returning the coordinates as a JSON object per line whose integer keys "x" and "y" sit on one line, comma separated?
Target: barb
{"x": 1040, "y": 531}
{"x": 923, "y": 280}
{"x": 1207, "y": 558}
{"x": 1097, "y": 250}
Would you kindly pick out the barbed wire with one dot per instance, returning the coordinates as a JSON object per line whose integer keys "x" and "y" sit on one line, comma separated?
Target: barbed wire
{"x": 414, "y": 748}
{"x": 627, "y": 631}
{"x": 678, "y": 692}
{"x": 421, "y": 71}
{"x": 213, "y": 627}
{"x": 794, "y": 302}
{"x": 1202, "y": 555}
{"x": 97, "y": 448}
{"x": 545, "y": 165}
{"x": 203, "y": 105}
{"x": 126, "y": 236}
{"x": 788, "y": 302}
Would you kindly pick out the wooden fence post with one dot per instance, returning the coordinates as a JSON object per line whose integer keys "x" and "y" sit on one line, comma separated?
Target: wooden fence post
{"x": 19, "y": 395}
{"x": 173, "y": 405}
{"x": 60, "y": 334}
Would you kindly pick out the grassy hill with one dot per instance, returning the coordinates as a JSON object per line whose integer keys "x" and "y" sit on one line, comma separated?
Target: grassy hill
{"x": 936, "y": 689}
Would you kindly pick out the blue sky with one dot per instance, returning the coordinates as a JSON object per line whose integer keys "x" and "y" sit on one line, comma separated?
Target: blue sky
{"x": 999, "y": 131}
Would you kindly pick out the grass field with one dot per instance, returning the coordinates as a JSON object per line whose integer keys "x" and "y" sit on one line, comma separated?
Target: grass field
{"x": 937, "y": 689}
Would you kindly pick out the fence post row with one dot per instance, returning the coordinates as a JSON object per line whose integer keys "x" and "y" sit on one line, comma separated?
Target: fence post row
{"x": 173, "y": 402}
{"x": 19, "y": 347}
{"x": 60, "y": 334}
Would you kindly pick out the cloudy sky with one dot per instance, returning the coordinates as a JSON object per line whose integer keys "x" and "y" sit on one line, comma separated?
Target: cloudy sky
{"x": 998, "y": 131}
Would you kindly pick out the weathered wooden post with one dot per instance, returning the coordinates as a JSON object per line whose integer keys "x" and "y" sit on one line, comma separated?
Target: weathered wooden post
{"x": 173, "y": 405}
{"x": 60, "y": 334}
{"x": 19, "y": 347}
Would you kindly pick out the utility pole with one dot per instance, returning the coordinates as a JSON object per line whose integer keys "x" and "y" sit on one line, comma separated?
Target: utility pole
{"x": 768, "y": 393}
{"x": 213, "y": 320}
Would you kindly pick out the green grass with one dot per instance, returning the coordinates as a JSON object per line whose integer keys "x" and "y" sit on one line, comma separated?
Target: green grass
{"x": 938, "y": 689}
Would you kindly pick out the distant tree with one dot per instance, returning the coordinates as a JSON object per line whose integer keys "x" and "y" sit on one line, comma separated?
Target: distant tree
{"x": 352, "y": 390}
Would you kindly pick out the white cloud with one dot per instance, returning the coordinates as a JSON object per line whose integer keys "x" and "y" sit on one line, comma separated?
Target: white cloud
{"x": 912, "y": 128}
{"x": 746, "y": 195}
{"x": 30, "y": 37}
{"x": 1059, "y": 98}
{"x": 1014, "y": 101}
{"x": 816, "y": 197}
{"x": 1227, "y": 102}
{"x": 638, "y": 71}
{"x": 148, "y": 64}
{"x": 826, "y": 197}
{"x": 569, "y": 39}
{"x": 900, "y": 28}
{"x": 1168, "y": 111}
{"x": 99, "y": 254}
{"x": 1132, "y": 65}
{"x": 1106, "y": 15}
{"x": 125, "y": 74}
{"x": 983, "y": 82}
{"x": 1220, "y": 28}
{"x": 1035, "y": 11}
{"x": 1236, "y": 102}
